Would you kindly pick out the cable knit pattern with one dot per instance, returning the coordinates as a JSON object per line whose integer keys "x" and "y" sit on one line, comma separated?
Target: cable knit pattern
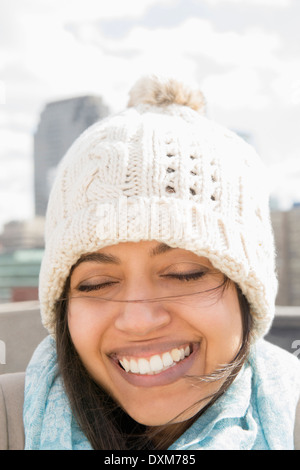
{"x": 163, "y": 172}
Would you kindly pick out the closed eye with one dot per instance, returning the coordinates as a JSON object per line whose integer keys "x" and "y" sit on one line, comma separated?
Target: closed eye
{"x": 95, "y": 287}
{"x": 186, "y": 276}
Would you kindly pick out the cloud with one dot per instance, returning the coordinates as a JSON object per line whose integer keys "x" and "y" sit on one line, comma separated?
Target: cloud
{"x": 284, "y": 180}
{"x": 239, "y": 88}
{"x": 70, "y": 59}
{"x": 16, "y": 201}
{"x": 198, "y": 37}
{"x": 64, "y": 10}
{"x": 14, "y": 141}
{"x": 253, "y": 3}
{"x": 286, "y": 85}
{"x": 15, "y": 175}
{"x": 239, "y": 59}
{"x": 2, "y": 92}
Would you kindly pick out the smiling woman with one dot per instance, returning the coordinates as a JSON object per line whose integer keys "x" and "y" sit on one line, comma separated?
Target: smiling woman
{"x": 145, "y": 351}
{"x": 139, "y": 324}
{"x": 157, "y": 286}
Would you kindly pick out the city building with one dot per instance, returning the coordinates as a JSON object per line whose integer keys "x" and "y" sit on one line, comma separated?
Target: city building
{"x": 19, "y": 275}
{"x": 27, "y": 234}
{"x": 286, "y": 226}
{"x": 61, "y": 122}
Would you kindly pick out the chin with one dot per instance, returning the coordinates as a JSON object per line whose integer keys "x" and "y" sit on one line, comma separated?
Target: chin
{"x": 163, "y": 413}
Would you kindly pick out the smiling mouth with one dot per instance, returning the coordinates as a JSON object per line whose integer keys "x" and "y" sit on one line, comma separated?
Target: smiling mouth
{"x": 156, "y": 363}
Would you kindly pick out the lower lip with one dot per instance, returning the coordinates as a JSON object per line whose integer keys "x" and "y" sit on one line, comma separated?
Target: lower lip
{"x": 165, "y": 377}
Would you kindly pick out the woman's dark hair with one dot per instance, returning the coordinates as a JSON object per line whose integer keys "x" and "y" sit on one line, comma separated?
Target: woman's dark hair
{"x": 105, "y": 424}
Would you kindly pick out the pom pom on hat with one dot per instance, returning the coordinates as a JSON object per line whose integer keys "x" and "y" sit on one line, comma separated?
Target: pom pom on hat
{"x": 160, "y": 91}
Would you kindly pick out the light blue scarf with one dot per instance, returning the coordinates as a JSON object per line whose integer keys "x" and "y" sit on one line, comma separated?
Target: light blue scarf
{"x": 256, "y": 412}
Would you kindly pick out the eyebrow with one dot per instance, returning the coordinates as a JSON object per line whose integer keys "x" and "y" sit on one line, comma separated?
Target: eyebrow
{"x": 97, "y": 258}
{"x": 160, "y": 249}
{"x": 111, "y": 259}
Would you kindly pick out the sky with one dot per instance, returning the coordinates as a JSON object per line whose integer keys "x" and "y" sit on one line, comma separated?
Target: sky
{"x": 243, "y": 54}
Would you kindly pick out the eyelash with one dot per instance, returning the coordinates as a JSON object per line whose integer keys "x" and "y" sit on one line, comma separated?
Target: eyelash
{"x": 186, "y": 277}
{"x": 181, "y": 277}
{"x": 89, "y": 288}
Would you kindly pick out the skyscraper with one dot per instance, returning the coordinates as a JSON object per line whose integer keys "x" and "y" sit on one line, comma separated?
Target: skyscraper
{"x": 61, "y": 122}
{"x": 286, "y": 226}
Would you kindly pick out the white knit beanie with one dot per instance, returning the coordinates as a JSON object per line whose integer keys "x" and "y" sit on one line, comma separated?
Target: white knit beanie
{"x": 162, "y": 171}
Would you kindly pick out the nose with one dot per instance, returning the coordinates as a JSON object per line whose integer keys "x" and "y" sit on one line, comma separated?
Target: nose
{"x": 141, "y": 318}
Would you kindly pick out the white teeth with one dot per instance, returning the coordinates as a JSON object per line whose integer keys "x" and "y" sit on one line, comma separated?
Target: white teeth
{"x": 125, "y": 364}
{"x": 175, "y": 353}
{"x": 144, "y": 366}
{"x": 133, "y": 366}
{"x": 167, "y": 359}
{"x": 156, "y": 363}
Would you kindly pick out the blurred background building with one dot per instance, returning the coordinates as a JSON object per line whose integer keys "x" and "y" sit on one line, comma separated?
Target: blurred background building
{"x": 22, "y": 242}
{"x": 61, "y": 122}
{"x": 19, "y": 275}
{"x": 286, "y": 226}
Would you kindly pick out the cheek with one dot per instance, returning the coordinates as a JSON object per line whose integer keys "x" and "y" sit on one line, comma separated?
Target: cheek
{"x": 86, "y": 329}
{"x": 221, "y": 328}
